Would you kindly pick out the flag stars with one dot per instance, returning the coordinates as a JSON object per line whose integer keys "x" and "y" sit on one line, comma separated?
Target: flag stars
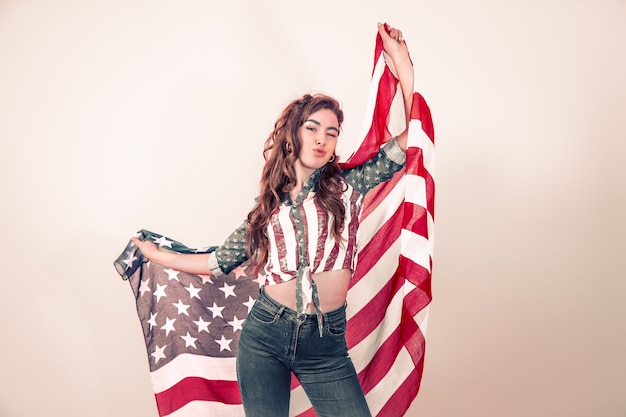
{"x": 206, "y": 279}
{"x": 158, "y": 353}
{"x": 130, "y": 259}
{"x": 228, "y": 290}
{"x": 152, "y": 320}
{"x": 189, "y": 340}
{"x": 202, "y": 325}
{"x": 162, "y": 241}
{"x": 224, "y": 343}
{"x": 171, "y": 274}
{"x": 182, "y": 308}
{"x": 160, "y": 292}
{"x": 168, "y": 326}
{"x": 249, "y": 303}
{"x": 240, "y": 271}
{"x": 144, "y": 287}
{"x": 193, "y": 291}
{"x": 236, "y": 323}
{"x": 216, "y": 310}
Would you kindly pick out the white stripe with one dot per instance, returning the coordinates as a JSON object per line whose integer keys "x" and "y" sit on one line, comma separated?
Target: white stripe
{"x": 419, "y": 139}
{"x": 299, "y": 401}
{"x": 312, "y": 226}
{"x": 416, "y": 248}
{"x": 188, "y": 365}
{"x": 290, "y": 237}
{"x": 208, "y": 408}
{"x": 371, "y": 97}
{"x": 415, "y": 190}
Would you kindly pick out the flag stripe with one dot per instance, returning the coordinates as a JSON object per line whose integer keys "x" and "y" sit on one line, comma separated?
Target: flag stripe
{"x": 195, "y": 388}
{"x": 188, "y": 365}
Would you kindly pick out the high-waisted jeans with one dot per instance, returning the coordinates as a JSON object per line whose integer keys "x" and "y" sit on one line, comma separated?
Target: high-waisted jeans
{"x": 274, "y": 343}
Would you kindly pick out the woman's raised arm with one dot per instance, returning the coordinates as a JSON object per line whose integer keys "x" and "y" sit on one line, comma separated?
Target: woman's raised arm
{"x": 396, "y": 49}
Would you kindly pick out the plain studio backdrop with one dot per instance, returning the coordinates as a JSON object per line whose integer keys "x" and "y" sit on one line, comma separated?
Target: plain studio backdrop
{"x": 121, "y": 115}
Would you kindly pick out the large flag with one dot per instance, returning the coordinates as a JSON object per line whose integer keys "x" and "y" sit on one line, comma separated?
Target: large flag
{"x": 191, "y": 323}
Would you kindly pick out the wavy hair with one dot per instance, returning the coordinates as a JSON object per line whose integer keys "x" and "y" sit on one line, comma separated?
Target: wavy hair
{"x": 281, "y": 151}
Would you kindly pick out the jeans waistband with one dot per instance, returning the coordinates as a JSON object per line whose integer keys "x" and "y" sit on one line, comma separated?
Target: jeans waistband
{"x": 277, "y": 308}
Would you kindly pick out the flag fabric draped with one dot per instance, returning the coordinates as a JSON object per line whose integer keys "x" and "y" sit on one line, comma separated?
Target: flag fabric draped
{"x": 191, "y": 323}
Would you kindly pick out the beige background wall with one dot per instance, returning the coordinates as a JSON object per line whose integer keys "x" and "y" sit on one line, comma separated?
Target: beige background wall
{"x": 120, "y": 115}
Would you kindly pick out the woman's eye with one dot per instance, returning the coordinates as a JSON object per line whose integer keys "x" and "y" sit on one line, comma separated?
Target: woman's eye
{"x": 311, "y": 128}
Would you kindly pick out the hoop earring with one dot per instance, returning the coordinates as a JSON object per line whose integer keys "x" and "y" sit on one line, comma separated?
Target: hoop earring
{"x": 332, "y": 159}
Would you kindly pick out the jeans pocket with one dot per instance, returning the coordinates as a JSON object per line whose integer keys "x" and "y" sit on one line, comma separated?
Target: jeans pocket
{"x": 262, "y": 315}
{"x": 336, "y": 326}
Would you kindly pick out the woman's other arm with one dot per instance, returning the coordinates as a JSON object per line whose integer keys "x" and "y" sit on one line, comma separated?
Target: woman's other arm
{"x": 190, "y": 263}
{"x": 220, "y": 262}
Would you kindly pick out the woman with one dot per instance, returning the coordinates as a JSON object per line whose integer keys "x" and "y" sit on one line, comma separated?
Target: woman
{"x": 301, "y": 236}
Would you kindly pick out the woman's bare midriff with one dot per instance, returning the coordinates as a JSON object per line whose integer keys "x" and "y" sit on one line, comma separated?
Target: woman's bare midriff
{"x": 332, "y": 287}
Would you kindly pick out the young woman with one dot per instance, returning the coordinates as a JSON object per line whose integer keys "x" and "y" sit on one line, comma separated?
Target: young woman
{"x": 301, "y": 237}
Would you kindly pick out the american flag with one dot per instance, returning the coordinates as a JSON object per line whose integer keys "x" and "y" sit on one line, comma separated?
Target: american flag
{"x": 192, "y": 323}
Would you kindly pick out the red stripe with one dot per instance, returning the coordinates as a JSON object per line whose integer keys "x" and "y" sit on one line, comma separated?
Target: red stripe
{"x": 412, "y": 337}
{"x": 421, "y": 111}
{"x": 400, "y": 401}
{"x": 415, "y": 219}
{"x": 419, "y": 297}
{"x": 196, "y": 388}
{"x": 379, "y": 193}
{"x": 308, "y": 413}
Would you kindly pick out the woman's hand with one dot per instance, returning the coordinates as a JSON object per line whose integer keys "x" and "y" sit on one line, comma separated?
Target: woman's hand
{"x": 149, "y": 250}
{"x": 393, "y": 43}
{"x": 197, "y": 263}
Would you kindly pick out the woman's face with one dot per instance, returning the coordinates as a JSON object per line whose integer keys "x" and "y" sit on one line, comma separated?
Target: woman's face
{"x": 318, "y": 139}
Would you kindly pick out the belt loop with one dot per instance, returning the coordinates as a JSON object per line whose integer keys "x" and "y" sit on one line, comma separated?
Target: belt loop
{"x": 281, "y": 310}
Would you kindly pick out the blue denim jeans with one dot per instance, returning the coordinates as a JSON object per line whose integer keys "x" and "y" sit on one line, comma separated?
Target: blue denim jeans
{"x": 275, "y": 342}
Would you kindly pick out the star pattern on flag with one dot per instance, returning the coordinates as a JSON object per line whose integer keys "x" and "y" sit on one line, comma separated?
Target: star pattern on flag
{"x": 130, "y": 259}
{"x": 145, "y": 286}
{"x": 171, "y": 274}
{"x": 182, "y": 308}
{"x": 184, "y": 314}
{"x": 163, "y": 241}
{"x": 224, "y": 343}
{"x": 193, "y": 291}
{"x": 160, "y": 292}
{"x": 216, "y": 310}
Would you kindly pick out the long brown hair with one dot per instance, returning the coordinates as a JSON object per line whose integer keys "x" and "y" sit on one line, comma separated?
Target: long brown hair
{"x": 281, "y": 151}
